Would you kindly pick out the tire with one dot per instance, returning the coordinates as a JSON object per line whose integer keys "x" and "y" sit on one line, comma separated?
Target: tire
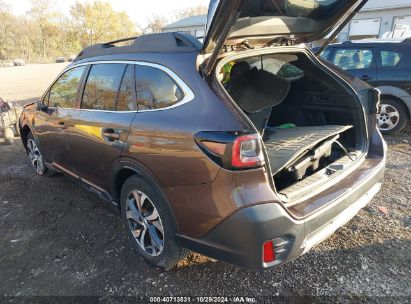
{"x": 392, "y": 117}
{"x": 36, "y": 158}
{"x": 150, "y": 225}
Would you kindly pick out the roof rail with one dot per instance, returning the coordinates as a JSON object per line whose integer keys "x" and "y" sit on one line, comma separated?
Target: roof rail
{"x": 173, "y": 42}
{"x": 121, "y": 40}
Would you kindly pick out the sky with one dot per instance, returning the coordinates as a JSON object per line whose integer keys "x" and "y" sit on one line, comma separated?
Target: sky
{"x": 138, "y": 10}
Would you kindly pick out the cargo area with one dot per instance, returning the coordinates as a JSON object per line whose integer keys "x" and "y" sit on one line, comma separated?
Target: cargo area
{"x": 309, "y": 121}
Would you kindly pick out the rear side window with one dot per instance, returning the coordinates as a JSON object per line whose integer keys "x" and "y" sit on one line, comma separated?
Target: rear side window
{"x": 125, "y": 101}
{"x": 390, "y": 58}
{"x": 63, "y": 93}
{"x": 102, "y": 86}
{"x": 155, "y": 89}
{"x": 353, "y": 59}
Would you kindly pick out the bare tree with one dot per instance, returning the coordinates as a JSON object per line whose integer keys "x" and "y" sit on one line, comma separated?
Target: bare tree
{"x": 5, "y": 27}
{"x": 191, "y": 11}
{"x": 156, "y": 23}
{"x": 43, "y": 13}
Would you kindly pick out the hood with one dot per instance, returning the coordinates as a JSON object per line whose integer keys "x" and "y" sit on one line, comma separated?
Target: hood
{"x": 263, "y": 22}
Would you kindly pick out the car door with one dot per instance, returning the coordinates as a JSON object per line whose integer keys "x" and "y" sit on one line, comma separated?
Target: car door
{"x": 51, "y": 122}
{"x": 394, "y": 67}
{"x": 357, "y": 61}
{"x": 100, "y": 127}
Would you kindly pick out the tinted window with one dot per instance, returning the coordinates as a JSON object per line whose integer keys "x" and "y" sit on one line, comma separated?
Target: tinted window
{"x": 63, "y": 93}
{"x": 155, "y": 89}
{"x": 102, "y": 86}
{"x": 325, "y": 54}
{"x": 390, "y": 59}
{"x": 125, "y": 101}
{"x": 353, "y": 59}
{"x": 281, "y": 67}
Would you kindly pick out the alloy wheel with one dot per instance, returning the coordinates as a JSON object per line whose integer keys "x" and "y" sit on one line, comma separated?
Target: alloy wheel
{"x": 35, "y": 156}
{"x": 145, "y": 223}
{"x": 388, "y": 118}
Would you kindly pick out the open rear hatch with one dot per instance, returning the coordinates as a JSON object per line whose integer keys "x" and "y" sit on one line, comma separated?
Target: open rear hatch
{"x": 311, "y": 122}
{"x": 267, "y": 22}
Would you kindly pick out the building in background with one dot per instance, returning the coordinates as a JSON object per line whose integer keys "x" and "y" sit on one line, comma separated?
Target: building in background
{"x": 377, "y": 18}
{"x": 194, "y": 25}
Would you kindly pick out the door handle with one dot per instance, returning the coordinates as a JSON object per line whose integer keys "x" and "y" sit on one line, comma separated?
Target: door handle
{"x": 111, "y": 135}
{"x": 62, "y": 125}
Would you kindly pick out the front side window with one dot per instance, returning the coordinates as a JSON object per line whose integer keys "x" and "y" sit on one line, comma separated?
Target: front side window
{"x": 102, "y": 86}
{"x": 353, "y": 59}
{"x": 155, "y": 89}
{"x": 390, "y": 59}
{"x": 63, "y": 93}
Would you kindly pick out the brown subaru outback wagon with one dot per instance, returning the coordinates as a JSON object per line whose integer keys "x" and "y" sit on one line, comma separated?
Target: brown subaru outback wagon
{"x": 245, "y": 148}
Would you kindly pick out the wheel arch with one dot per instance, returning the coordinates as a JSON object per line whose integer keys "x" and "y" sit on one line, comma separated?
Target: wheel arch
{"x": 25, "y": 129}
{"x": 127, "y": 168}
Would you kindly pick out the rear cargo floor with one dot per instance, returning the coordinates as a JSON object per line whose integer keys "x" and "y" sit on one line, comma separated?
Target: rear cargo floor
{"x": 285, "y": 145}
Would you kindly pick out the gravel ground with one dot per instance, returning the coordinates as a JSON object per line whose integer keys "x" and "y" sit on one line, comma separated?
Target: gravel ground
{"x": 26, "y": 83}
{"x": 60, "y": 240}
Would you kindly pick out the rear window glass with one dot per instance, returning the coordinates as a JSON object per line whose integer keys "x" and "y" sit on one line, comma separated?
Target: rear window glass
{"x": 102, "y": 86}
{"x": 313, "y": 9}
{"x": 280, "y": 65}
{"x": 293, "y": 16}
{"x": 390, "y": 58}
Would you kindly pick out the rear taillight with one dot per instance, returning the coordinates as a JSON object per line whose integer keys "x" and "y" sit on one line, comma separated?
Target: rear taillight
{"x": 247, "y": 152}
{"x": 268, "y": 252}
{"x": 232, "y": 150}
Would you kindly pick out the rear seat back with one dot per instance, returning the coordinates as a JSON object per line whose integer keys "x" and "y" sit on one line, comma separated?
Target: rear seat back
{"x": 256, "y": 92}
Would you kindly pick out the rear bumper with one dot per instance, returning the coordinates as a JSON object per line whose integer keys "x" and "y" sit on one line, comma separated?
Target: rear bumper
{"x": 239, "y": 238}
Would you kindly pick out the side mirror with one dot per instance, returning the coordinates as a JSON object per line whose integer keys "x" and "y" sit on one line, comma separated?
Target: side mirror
{"x": 41, "y": 106}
